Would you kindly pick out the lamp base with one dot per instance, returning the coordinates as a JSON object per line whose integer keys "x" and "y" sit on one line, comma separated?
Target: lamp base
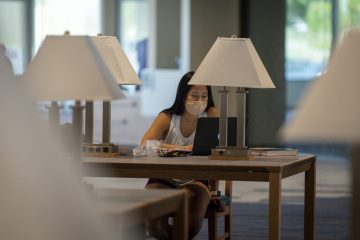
{"x": 106, "y": 150}
{"x": 230, "y": 153}
{"x": 100, "y": 150}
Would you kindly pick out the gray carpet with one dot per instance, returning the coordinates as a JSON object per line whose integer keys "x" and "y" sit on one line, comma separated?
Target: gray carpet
{"x": 250, "y": 220}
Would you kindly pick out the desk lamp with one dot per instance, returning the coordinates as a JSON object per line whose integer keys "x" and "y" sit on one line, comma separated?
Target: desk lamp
{"x": 74, "y": 68}
{"x": 232, "y": 62}
{"x": 329, "y": 111}
{"x": 124, "y": 74}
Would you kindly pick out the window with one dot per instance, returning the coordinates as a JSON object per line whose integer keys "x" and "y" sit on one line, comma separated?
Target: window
{"x": 13, "y": 35}
{"x": 134, "y": 31}
{"x": 312, "y": 28}
{"x": 308, "y": 38}
{"x": 80, "y": 17}
{"x": 133, "y": 24}
{"x": 348, "y": 15}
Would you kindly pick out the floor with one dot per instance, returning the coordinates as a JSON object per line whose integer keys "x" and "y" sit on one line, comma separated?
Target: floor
{"x": 332, "y": 205}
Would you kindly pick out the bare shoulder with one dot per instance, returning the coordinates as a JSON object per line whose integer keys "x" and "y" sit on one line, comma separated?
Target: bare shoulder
{"x": 161, "y": 123}
{"x": 213, "y": 112}
{"x": 163, "y": 118}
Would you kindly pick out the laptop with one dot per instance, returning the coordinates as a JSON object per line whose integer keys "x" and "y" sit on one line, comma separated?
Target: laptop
{"x": 207, "y": 135}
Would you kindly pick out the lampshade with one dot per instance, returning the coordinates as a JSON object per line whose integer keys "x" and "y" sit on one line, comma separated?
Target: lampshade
{"x": 117, "y": 61}
{"x": 329, "y": 110}
{"x": 79, "y": 68}
{"x": 232, "y": 62}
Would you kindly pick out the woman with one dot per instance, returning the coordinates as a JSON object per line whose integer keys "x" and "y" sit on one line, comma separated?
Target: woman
{"x": 175, "y": 127}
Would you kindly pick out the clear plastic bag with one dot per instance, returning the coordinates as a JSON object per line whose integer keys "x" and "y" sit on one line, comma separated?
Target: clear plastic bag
{"x": 150, "y": 148}
{"x": 139, "y": 152}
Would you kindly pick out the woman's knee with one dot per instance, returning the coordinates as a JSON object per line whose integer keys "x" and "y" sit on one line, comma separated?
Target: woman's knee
{"x": 200, "y": 198}
{"x": 198, "y": 189}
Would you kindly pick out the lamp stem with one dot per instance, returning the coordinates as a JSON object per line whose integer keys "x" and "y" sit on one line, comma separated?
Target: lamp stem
{"x": 77, "y": 121}
{"x": 223, "y": 122}
{"x": 77, "y": 116}
{"x": 106, "y": 121}
{"x": 54, "y": 115}
{"x": 241, "y": 117}
{"x": 89, "y": 122}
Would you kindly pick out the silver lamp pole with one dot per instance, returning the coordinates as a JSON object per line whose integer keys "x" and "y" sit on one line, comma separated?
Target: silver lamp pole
{"x": 106, "y": 122}
{"x": 89, "y": 122}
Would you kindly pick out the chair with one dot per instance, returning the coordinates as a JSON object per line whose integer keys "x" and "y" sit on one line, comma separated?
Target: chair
{"x": 220, "y": 206}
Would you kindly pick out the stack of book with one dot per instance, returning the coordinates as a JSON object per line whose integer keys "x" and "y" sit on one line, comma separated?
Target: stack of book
{"x": 269, "y": 151}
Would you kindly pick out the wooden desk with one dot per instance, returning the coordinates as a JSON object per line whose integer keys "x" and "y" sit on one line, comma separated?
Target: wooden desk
{"x": 264, "y": 169}
{"x": 132, "y": 207}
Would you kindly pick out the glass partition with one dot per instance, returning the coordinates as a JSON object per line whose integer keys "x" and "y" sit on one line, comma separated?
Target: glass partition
{"x": 13, "y": 35}
{"x": 348, "y": 12}
{"x": 80, "y": 17}
{"x": 308, "y": 38}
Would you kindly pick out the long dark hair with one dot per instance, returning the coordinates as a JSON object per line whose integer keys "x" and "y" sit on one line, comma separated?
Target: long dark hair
{"x": 183, "y": 88}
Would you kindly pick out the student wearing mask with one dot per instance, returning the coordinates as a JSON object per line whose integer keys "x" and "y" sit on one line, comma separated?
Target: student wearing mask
{"x": 175, "y": 127}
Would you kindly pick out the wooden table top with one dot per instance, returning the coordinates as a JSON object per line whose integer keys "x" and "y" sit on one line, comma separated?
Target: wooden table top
{"x": 196, "y": 167}
{"x": 132, "y": 206}
{"x": 261, "y": 163}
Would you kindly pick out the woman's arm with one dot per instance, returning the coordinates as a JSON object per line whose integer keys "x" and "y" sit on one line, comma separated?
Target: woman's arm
{"x": 158, "y": 129}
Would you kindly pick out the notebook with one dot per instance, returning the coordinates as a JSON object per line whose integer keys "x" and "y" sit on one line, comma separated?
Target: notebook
{"x": 207, "y": 135}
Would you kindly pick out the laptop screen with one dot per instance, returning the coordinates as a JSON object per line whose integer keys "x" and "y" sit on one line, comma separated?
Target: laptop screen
{"x": 207, "y": 135}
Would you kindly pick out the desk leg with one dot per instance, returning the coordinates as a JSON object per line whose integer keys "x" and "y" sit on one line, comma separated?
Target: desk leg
{"x": 309, "y": 210}
{"x": 274, "y": 206}
{"x": 180, "y": 228}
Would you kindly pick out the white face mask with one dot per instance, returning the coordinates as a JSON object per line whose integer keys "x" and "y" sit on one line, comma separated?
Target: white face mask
{"x": 195, "y": 108}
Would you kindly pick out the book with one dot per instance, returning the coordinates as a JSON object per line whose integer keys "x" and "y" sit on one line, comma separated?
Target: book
{"x": 269, "y": 151}
{"x": 173, "y": 152}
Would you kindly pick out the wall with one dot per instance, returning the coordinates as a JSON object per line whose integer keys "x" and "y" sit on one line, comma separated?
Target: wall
{"x": 108, "y": 17}
{"x": 167, "y": 33}
{"x": 211, "y": 19}
{"x": 266, "y": 107}
{"x": 294, "y": 92}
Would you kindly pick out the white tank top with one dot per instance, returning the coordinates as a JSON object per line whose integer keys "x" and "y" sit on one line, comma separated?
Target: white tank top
{"x": 175, "y": 136}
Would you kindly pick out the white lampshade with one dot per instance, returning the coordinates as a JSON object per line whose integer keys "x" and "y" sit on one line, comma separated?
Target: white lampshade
{"x": 117, "y": 61}
{"x": 330, "y": 109}
{"x": 232, "y": 62}
{"x": 79, "y": 68}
